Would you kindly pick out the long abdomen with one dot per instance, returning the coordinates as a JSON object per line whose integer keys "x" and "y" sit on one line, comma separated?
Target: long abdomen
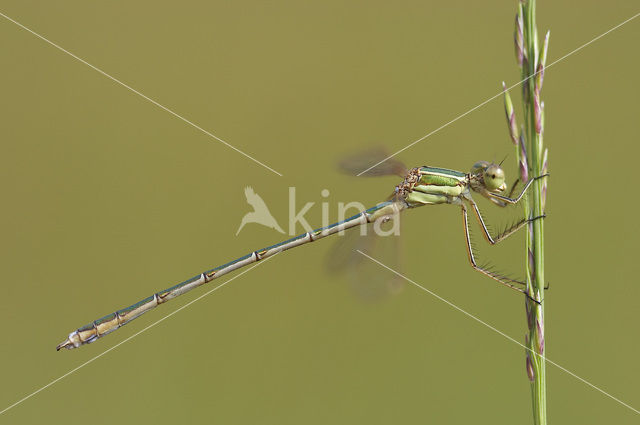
{"x": 113, "y": 321}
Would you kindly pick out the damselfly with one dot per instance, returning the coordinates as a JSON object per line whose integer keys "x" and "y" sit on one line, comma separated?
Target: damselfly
{"x": 421, "y": 186}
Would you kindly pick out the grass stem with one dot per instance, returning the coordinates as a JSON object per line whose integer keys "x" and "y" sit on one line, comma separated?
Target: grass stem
{"x": 532, "y": 162}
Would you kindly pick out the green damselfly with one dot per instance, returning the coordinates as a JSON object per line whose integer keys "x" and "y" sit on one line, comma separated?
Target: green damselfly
{"x": 421, "y": 186}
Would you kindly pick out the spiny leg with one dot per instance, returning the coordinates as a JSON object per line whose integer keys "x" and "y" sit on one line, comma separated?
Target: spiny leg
{"x": 508, "y": 199}
{"x": 511, "y": 283}
{"x": 506, "y": 233}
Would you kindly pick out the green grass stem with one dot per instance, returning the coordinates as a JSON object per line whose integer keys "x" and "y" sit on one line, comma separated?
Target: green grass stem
{"x": 532, "y": 161}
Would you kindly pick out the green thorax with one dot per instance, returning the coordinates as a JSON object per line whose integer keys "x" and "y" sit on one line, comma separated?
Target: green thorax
{"x": 435, "y": 186}
{"x": 441, "y": 176}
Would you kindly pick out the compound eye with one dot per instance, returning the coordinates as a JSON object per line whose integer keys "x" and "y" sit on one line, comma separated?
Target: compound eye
{"x": 494, "y": 178}
{"x": 479, "y": 166}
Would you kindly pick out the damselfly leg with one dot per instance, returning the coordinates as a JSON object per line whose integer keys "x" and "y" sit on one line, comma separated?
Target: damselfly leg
{"x": 502, "y": 201}
{"x": 507, "y": 281}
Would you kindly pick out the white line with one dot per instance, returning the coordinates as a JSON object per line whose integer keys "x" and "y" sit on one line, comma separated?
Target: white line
{"x": 134, "y": 335}
{"x": 449, "y": 303}
{"x": 139, "y": 94}
{"x": 499, "y": 94}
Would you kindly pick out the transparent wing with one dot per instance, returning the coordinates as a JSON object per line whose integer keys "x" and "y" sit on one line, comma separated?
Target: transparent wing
{"x": 368, "y": 280}
{"x": 359, "y": 162}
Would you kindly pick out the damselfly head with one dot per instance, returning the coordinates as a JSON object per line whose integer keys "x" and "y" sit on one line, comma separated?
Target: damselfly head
{"x": 492, "y": 175}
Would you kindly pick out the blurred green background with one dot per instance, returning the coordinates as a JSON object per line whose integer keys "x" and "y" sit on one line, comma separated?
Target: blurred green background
{"x": 107, "y": 199}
